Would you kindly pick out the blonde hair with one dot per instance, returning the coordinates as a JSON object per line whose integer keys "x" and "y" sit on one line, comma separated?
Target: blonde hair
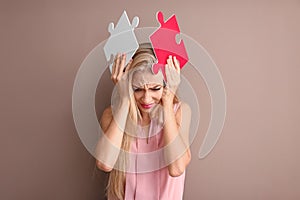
{"x": 144, "y": 57}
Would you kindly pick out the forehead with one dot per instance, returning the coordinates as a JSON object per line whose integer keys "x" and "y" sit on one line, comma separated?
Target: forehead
{"x": 143, "y": 77}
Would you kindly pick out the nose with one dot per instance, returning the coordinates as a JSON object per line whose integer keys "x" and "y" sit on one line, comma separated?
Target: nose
{"x": 146, "y": 96}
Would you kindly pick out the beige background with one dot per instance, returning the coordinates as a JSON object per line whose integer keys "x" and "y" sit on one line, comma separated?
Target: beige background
{"x": 255, "y": 45}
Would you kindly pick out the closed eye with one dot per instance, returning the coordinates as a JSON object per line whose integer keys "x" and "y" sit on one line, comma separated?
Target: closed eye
{"x": 136, "y": 89}
{"x": 156, "y": 88}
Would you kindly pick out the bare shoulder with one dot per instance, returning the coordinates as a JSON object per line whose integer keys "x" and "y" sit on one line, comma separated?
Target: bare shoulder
{"x": 106, "y": 118}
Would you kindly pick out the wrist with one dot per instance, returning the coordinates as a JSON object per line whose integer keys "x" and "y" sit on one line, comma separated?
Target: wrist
{"x": 167, "y": 106}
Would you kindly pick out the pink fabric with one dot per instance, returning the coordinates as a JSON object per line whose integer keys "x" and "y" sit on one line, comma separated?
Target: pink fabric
{"x": 151, "y": 185}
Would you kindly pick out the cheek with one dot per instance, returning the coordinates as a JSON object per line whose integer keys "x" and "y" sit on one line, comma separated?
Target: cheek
{"x": 158, "y": 94}
{"x": 136, "y": 96}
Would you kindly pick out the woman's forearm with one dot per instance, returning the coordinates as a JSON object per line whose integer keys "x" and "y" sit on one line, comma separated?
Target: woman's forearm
{"x": 109, "y": 145}
{"x": 177, "y": 151}
{"x": 117, "y": 126}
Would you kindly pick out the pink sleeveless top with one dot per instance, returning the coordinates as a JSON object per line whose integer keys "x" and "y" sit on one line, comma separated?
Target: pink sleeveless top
{"x": 149, "y": 178}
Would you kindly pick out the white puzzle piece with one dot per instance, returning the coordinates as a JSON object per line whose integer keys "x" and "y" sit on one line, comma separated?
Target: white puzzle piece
{"x": 122, "y": 39}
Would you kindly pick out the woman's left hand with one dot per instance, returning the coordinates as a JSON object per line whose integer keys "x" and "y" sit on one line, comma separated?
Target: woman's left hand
{"x": 172, "y": 70}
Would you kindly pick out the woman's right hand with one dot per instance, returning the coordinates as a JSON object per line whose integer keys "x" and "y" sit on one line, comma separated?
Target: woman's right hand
{"x": 120, "y": 76}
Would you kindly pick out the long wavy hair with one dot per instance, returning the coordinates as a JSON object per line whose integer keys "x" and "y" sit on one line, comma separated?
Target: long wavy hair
{"x": 144, "y": 57}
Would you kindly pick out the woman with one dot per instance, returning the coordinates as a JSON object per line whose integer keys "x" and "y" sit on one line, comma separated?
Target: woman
{"x": 145, "y": 143}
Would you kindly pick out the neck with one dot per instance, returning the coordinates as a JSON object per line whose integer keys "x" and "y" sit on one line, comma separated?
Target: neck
{"x": 145, "y": 120}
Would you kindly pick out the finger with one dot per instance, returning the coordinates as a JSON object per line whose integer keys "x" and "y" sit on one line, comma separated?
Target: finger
{"x": 171, "y": 69}
{"x": 128, "y": 66}
{"x": 177, "y": 64}
{"x": 123, "y": 61}
{"x": 127, "y": 69}
{"x": 167, "y": 71}
{"x": 117, "y": 64}
{"x": 115, "y": 68}
{"x": 114, "y": 64}
{"x": 170, "y": 62}
{"x": 172, "y": 77}
{"x": 122, "y": 65}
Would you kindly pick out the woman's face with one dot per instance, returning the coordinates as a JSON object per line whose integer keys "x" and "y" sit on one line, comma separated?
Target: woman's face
{"x": 147, "y": 89}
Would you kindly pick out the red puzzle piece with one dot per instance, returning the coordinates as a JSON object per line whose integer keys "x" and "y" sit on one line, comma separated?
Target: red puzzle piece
{"x": 164, "y": 44}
